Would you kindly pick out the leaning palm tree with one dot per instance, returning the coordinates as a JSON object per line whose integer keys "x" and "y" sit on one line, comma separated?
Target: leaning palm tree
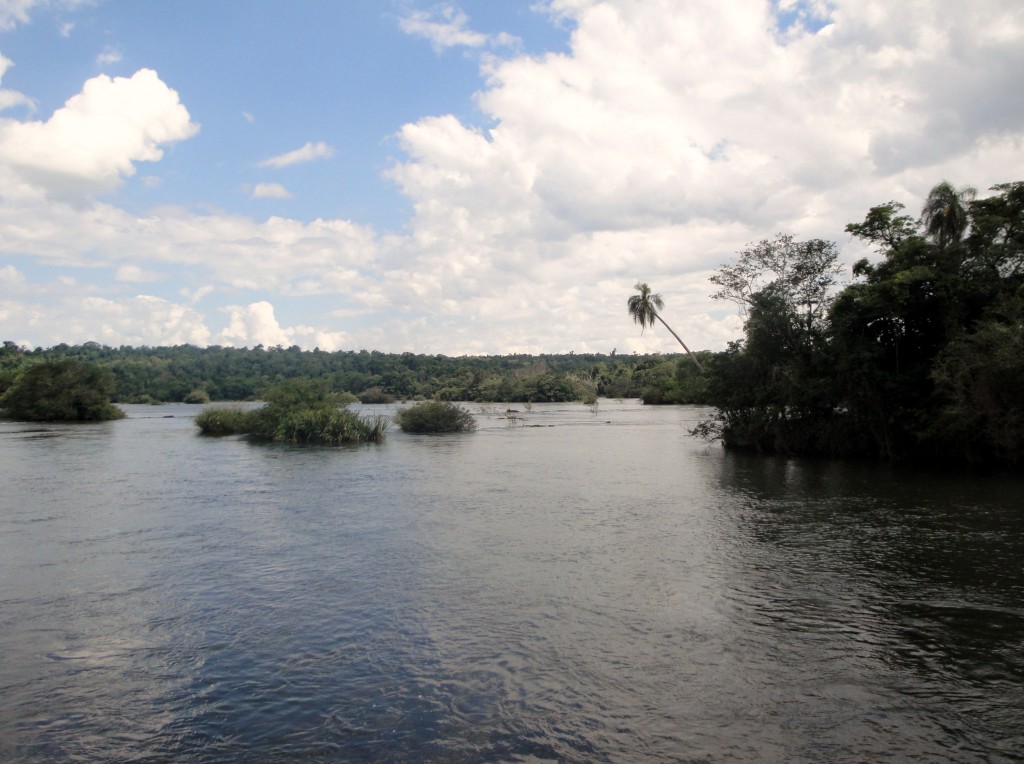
{"x": 945, "y": 212}
{"x": 644, "y": 307}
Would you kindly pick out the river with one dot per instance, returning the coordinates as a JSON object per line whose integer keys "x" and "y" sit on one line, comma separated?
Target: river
{"x": 590, "y": 584}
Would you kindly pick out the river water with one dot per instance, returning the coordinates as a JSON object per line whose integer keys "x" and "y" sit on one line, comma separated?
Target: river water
{"x": 588, "y": 585}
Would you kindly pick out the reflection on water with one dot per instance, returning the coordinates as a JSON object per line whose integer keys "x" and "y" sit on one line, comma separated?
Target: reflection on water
{"x": 587, "y": 586}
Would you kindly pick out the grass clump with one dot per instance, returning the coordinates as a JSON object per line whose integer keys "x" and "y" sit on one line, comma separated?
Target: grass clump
{"x": 435, "y": 416}
{"x": 222, "y": 421}
{"x": 298, "y": 411}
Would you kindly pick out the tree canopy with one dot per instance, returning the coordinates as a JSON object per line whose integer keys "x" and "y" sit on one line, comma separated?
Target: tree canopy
{"x": 918, "y": 359}
{"x": 64, "y": 391}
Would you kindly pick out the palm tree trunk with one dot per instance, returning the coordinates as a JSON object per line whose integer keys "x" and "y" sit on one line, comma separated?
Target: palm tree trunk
{"x": 692, "y": 356}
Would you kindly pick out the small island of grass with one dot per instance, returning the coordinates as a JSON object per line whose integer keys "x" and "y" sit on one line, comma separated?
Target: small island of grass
{"x": 299, "y": 411}
{"x": 435, "y": 416}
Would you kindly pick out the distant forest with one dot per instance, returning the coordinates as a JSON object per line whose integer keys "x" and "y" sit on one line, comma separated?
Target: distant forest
{"x": 193, "y": 374}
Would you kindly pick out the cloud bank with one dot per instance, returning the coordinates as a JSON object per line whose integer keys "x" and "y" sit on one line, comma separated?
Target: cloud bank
{"x": 665, "y": 139}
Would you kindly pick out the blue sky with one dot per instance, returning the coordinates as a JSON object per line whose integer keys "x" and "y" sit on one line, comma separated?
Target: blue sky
{"x": 472, "y": 177}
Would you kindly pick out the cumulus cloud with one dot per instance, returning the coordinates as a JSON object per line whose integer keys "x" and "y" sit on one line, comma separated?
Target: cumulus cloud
{"x": 671, "y": 136}
{"x": 47, "y": 316}
{"x": 445, "y": 26}
{"x": 96, "y": 138}
{"x": 256, "y": 324}
{"x": 307, "y": 153}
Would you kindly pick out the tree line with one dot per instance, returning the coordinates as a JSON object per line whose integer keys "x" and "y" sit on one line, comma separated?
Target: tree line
{"x": 194, "y": 374}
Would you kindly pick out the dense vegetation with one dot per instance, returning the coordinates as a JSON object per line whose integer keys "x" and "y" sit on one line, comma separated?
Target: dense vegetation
{"x": 193, "y": 374}
{"x": 60, "y": 391}
{"x": 297, "y": 411}
{"x": 435, "y": 416}
{"x": 920, "y": 358}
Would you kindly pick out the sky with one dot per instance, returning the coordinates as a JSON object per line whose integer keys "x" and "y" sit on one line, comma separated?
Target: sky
{"x": 465, "y": 178}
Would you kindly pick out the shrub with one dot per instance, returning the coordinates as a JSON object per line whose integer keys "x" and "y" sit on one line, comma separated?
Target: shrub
{"x": 375, "y": 395}
{"x": 199, "y": 395}
{"x": 297, "y": 411}
{"x": 63, "y": 391}
{"x": 223, "y": 421}
{"x": 435, "y": 416}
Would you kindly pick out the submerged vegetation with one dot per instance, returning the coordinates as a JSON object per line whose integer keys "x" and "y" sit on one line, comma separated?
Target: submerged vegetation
{"x": 435, "y": 416}
{"x": 298, "y": 411}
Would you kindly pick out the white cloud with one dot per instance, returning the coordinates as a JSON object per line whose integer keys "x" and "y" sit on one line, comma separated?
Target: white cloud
{"x": 256, "y": 324}
{"x": 65, "y": 314}
{"x": 96, "y": 138}
{"x": 307, "y": 153}
{"x": 11, "y": 98}
{"x": 11, "y": 277}
{"x": 109, "y": 55}
{"x": 14, "y": 12}
{"x": 270, "y": 191}
{"x": 445, "y": 26}
{"x": 133, "y": 273}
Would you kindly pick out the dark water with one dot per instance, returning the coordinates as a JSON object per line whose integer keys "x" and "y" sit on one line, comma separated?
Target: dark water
{"x": 590, "y": 587}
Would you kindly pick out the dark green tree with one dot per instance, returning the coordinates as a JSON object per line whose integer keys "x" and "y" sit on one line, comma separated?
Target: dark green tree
{"x": 773, "y": 390}
{"x": 61, "y": 391}
{"x": 945, "y": 216}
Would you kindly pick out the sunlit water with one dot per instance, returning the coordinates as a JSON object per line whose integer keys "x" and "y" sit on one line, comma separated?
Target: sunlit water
{"x": 587, "y": 586}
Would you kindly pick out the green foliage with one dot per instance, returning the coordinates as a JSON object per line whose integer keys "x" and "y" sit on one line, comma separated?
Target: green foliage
{"x": 199, "y": 395}
{"x": 435, "y": 416}
{"x": 65, "y": 391}
{"x": 155, "y": 374}
{"x": 222, "y": 420}
{"x": 300, "y": 411}
{"x": 919, "y": 359}
{"x": 770, "y": 390}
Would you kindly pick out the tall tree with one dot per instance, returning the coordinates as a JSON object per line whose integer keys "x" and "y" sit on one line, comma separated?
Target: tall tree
{"x": 945, "y": 213}
{"x": 798, "y": 276}
{"x": 644, "y": 307}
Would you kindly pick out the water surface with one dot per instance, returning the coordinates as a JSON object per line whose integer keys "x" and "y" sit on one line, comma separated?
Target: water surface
{"x": 591, "y": 585}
